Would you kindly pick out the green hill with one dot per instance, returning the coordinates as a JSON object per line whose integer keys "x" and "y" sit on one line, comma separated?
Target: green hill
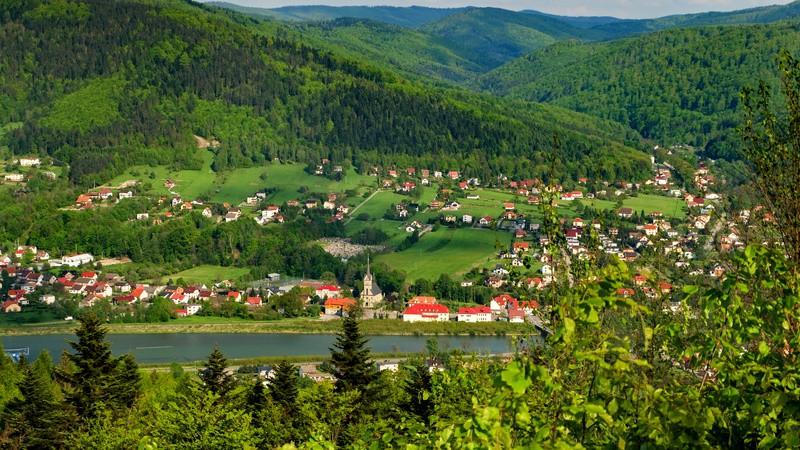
{"x": 491, "y": 36}
{"x": 128, "y": 82}
{"x": 412, "y": 16}
{"x": 410, "y": 51}
{"x": 752, "y": 16}
{"x": 673, "y": 86}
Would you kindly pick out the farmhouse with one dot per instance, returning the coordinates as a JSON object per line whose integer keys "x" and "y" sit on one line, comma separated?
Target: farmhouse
{"x": 422, "y": 300}
{"x": 426, "y": 313}
{"x": 77, "y": 260}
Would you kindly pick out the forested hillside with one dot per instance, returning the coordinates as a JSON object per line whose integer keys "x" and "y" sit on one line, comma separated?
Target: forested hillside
{"x": 760, "y": 15}
{"x": 102, "y": 85}
{"x": 491, "y": 36}
{"x": 412, "y": 52}
{"x": 677, "y": 86}
{"x": 413, "y": 16}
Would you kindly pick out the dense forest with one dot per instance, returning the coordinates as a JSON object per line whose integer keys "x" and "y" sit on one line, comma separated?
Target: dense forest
{"x": 102, "y": 85}
{"x": 677, "y": 86}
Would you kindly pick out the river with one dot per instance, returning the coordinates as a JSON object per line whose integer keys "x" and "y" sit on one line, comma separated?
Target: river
{"x": 187, "y": 347}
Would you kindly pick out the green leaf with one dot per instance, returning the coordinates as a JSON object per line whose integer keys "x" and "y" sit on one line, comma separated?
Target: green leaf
{"x": 763, "y": 348}
{"x": 514, "y": 378}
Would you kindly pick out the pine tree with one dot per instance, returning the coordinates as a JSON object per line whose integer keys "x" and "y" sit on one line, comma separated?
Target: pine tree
{"x": 283, "y": 387}
{"x": 215, "y": 375}
{"x": 35, "y": 419}
{"x": 350, "y": 359}
{"x": 418, "y": 387}
{"x": 90, "y": 384}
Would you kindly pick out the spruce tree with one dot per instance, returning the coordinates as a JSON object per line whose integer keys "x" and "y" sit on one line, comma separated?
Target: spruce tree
{"x": 215, "y": 375}
{"x": 256, "y": 396}
{"x": 350, "y": 361}
{"x": 418, "y": 387}
{"x": 90, "y": 384}
{"x": 35, "y": 419}
{"x": 283, "y": 387}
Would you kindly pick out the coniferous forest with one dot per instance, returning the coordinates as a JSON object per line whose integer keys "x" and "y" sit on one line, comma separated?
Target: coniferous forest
{"x": 99, "y": 86}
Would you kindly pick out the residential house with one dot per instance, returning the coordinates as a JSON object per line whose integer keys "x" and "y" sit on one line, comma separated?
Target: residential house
{"x": 339, "y": 306}
{"x": 426, "y": 313}
{"x": 475, "y": 314}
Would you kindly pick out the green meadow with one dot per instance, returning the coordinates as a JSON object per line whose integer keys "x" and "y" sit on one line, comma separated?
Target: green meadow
{"x": 450, "y": 251}
{"x": 207, "y": 274}
{"x": 233, "y": 186}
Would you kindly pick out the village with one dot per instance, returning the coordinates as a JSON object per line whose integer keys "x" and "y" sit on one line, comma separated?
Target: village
{"x": 619, "y": 219}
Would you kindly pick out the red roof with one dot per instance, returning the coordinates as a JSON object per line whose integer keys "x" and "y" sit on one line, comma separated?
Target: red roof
{"x": 504, "y": 299}
{"x": 88, "y": 275}
{"x": 234, "y": 294}
{"x": 328, "y": 287}
{"x": 475, "y": 310}
{"x": 8, "y": 303}
{"x": 256, "y": 301}
{"x": 516, "y": 313}
{"x": 422, "y": 308}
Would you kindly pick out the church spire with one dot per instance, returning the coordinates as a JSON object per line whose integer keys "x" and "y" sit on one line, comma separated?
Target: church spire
{"x": 368, "y": 273}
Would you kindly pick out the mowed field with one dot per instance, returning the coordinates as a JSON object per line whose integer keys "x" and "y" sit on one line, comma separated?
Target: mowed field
{"x": 207, "y": 274}
{"x": 669, "y": 206}
{"x": 233, "y": 186}
{"x": 450, "y": 251}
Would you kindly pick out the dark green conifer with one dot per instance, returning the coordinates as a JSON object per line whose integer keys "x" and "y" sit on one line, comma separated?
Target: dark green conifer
{"x": 215, "y": 375}
{"x": 350, "y": 358}
{"x": 283, "y": 387}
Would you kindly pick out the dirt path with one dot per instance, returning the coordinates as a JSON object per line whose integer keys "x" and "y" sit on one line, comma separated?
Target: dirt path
{"x": 353, "y": 212}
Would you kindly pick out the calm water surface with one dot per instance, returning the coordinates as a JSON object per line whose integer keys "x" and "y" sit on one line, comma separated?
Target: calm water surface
{"x": 183, "y": 347}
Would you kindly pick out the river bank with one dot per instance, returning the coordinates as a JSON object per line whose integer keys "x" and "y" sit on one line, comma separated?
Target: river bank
{"x": 286, "y": 326}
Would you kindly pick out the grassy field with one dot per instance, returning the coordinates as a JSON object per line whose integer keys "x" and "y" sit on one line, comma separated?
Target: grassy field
{"x": 208, "y": 274}
{"x": 189, "y": 183}
{"x": 377, "y": 206}
{"x": 669, "y": 206}
{"x": 299, "y": 325}
{"x": 450, "y": 251}
{"x": 235, "y": 185}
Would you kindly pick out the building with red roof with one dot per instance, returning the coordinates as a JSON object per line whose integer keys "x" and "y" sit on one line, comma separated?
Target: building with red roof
{"x": 475, "y": 314}
{"x": 426, "y": 313}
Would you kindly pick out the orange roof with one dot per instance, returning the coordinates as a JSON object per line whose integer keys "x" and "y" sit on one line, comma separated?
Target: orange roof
{"x": 422, "y": 300}
{"x": 340, "y": 302}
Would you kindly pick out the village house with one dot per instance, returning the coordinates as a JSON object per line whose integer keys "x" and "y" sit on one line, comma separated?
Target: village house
{"x": 426, "y": 313}
{"x": 474, "y": 314}
{"x": 29, "y": 161}
{"x": 502, "y": 303}
{"x": 327, "y": 291}
{"x": 516, "y": 316}
{"x": 338, "y": 306}
{"x": 14, "y": 177}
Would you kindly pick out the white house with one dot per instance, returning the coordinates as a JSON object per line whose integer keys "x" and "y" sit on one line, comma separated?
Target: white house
{"x": 77, "y": 260}
{"x": 29, "y": 162}
{"x": 475, "y": 314}
{"x": 426, "y": 313}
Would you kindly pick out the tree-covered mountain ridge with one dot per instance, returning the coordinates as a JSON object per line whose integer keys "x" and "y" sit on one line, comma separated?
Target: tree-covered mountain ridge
{"x": 674, "y": 86}
{"x": 102, "y": 85}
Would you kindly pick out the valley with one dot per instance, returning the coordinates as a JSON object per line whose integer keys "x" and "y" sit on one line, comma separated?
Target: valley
{"x": 342, "y": 226}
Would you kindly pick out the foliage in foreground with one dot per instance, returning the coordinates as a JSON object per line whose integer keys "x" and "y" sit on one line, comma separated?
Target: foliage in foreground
{"x": 721, "y": 373}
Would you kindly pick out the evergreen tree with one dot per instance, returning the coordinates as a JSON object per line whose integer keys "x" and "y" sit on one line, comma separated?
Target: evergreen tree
{"x": 350, "y": 359}
{"x": 126, "y": 381}
{"x": 90, "y": 385}
{"x": 418, "y": 387}
{"x": 283, "y": 388}
{"x": 256, "y": 396}
{"x": 215, "y": 375}
{"x": 35, "y": 419}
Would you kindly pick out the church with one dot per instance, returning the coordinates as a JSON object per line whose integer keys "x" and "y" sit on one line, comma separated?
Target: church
{"x": 371, "y": 295}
